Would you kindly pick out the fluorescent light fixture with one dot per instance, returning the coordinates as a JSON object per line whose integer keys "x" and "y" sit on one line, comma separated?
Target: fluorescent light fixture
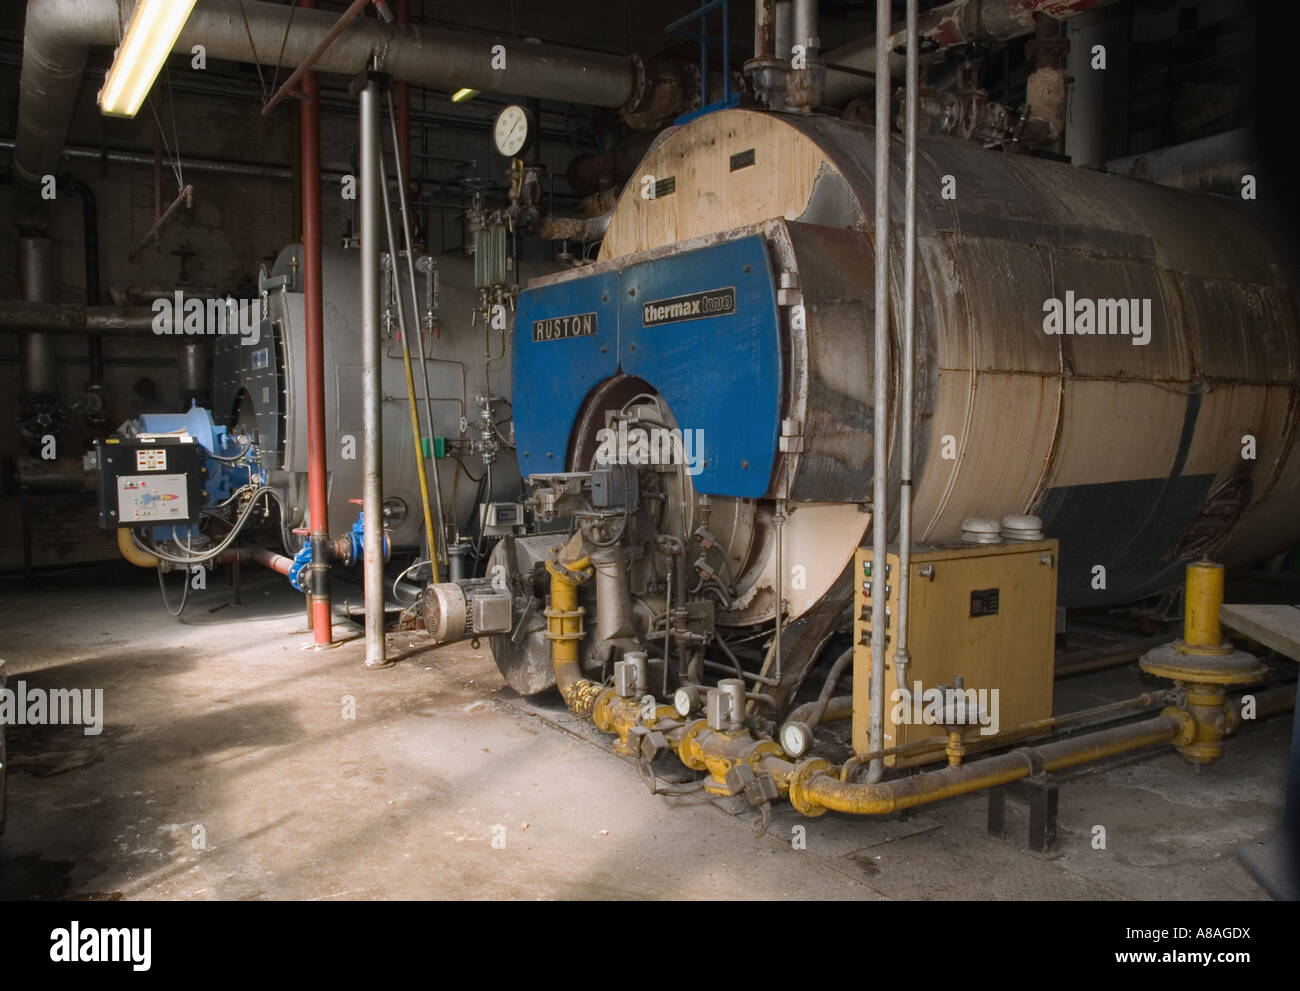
{"x": 150, "y": 37}
{"x": 461, "y": 95}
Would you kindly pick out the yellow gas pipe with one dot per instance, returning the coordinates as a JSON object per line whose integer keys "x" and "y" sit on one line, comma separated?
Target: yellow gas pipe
{"x": 133, "y": 554}
{"x": 814, "y": 785}
{"x": 1204, "y": 665}
{"x": 564, "y": 630}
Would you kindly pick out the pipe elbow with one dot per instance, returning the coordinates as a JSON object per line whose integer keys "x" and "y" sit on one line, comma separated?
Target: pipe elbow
{"x": 133, "y": 554}
{"x": 827, "y": 792}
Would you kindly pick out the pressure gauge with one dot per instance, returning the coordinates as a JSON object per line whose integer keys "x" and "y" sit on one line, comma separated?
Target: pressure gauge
{"x": 685, "y": 701}
{"x": 514, "y": 130}
{"x": 795, "y": 738}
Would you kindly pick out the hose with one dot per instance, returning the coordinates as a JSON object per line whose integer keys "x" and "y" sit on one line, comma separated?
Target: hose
{"x": 185, "y": 592}
{"x": 398, "y": 579}
{"x": 225, "y": 543}
{"x": 828, "y": 689}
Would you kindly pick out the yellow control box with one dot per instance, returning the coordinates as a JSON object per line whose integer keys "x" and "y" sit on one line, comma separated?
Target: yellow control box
{"x": 981, "y": 613}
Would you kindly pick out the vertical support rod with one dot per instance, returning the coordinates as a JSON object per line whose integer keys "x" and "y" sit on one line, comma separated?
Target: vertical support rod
{"x": 313, "y": 317}
{"x": 779, "y": 520}
{"x": 372, "y": 493}
{"x": 438, "y": 539}
{"x": 430, "y": 535}
{"x": 903, "y": 579}
{"x": 765, "y": 29}
{"x": 880, "y": 400}
{"x": 37, "y": 276}
{"x": 726, "y": 52}
{"x": 404, "y": 105}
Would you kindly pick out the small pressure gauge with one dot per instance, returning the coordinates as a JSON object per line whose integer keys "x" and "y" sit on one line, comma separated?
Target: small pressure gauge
{"x": 795, "y": 738}
{"x": 514, "y": 130}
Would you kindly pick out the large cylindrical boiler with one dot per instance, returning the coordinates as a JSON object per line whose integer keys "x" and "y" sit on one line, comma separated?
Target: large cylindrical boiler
{"x": 1169, "y": 437}
{"x": 262, "y": 387}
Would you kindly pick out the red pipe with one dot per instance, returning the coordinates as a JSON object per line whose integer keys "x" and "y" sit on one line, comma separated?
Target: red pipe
{"x": 318, "y": 500}
{"x": 260, "y": 555}
{"x": 304, "y": 69}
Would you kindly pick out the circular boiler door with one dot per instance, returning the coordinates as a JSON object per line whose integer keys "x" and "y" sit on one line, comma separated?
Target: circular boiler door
{"x": 625, "y": 420}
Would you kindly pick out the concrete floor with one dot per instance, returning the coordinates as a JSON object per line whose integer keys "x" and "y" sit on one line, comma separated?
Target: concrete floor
{"x": 223, "y": 721}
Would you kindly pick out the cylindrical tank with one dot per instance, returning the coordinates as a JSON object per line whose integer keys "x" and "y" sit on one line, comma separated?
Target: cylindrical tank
{"x": 1171, "y": 437}
{"x": 263, "y": 387}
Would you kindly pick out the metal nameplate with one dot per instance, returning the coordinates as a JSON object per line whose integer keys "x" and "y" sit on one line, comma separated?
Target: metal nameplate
{"x": 564, "y": 328}
{"x": 694, "y": 306}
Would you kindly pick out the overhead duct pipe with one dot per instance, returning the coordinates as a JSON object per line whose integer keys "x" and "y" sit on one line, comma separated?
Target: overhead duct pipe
{"x": 59, "y": 33}
{"x": 73, "y": 318}
{"x": 957, "y": 23}
{"x": 1208, "y": 165}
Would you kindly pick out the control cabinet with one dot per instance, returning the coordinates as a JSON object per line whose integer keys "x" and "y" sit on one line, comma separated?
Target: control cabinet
{"x": 981, "y": 613}
{"x": 155, "y": 481}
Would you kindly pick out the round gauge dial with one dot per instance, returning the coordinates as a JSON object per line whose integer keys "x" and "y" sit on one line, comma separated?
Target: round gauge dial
{"x": 513, "y": 131}
{"x": 795, "y": 738}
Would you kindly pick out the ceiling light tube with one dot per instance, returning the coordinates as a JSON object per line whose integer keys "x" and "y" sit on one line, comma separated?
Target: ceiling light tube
{"x": 150, "y": 37}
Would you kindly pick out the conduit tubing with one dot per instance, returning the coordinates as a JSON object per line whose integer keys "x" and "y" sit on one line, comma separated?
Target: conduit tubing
{"x": 902, "y": 659}
{"x": 1002, "y": 738}
{"x": 314, "y": 320}
{"x": 437, "y": 537}
{"x": 59, "y": 33}
{"x": 372, "y": 496}
{"x": 430, "y": 535}
{"x": 824, "y": 789}
{"x": 880, "y": 407}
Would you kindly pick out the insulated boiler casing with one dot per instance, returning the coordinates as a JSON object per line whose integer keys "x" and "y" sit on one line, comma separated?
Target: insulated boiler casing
{"x": 1138, "y": 456}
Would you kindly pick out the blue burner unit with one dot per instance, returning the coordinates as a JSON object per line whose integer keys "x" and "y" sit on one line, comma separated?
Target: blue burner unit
{"x": 702, "y": 327}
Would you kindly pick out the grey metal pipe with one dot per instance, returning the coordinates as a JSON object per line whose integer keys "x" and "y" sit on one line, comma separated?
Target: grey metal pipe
{"x": 765, "y": 28}
{"x": 880, "y": 406}
{"x": 784, "y": 28}
{"x": 901, "y": 656}
{"x": 779, "y": 519}
{"x": 957, "y": 23}
{"x": 806, "y": 32}
{"x": 72, "y": 318}
{"x": 613, "y": 599}
{"x": 437, "y": 539}
{"x": 1214, "y": 164}
{"x": 36, "y": 273}
{"x": 193, "y": 363}
{"x": 58, "y": 34}
{"x": 372, "y": 487}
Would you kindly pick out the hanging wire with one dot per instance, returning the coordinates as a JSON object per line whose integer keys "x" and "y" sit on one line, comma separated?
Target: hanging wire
{"x": 162, "y": 134}
{"x": 275, "y": 76}
{"x": 257, "y": 63}
{"x": 176, "y": 137}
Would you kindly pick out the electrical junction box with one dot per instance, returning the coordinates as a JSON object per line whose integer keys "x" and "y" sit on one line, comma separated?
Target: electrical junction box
{"x": 149, "y": 481}
{"x": 984, "y": 613}
{"x": 498, "y": 519}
